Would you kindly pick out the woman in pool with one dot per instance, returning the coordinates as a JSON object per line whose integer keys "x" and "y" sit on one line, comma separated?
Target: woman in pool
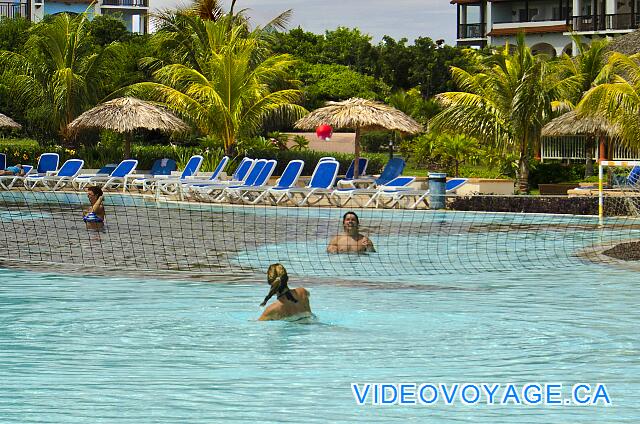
{"x": 12, "y": 171}
{"x": 350, "y": 240}
{"x": 291, "y": 304}
{"x": 94, "y": 215}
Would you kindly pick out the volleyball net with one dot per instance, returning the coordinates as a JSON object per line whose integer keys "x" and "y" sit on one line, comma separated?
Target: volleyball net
{"x": 144, "y": 234}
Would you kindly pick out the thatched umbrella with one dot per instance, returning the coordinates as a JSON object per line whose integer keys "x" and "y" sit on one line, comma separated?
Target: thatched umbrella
{"x": 6, "y": 122}
{"x": 126, "y": 115}
{"x": 361, "y": 115}
{"x": 628, "y": 43}
{"x": 571, "y": 123}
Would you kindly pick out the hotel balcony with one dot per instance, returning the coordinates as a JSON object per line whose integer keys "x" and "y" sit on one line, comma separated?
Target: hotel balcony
{"x": 128, "y": 4}
{"x": 14, "y": 10}
{"x": 606, "y": 23}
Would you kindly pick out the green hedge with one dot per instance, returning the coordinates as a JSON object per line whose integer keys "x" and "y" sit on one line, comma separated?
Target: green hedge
{"x": 27, "y": 151}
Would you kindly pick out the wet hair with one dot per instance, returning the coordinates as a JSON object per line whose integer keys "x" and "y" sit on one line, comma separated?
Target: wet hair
{"x": 95, "y": 190}
{"x": 277, "y": 278}
{"x": 350, "y": 213}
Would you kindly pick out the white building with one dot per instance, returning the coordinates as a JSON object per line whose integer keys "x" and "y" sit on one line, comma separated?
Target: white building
{"x": 547, "y": 24}
{"x": 134, "y": 13}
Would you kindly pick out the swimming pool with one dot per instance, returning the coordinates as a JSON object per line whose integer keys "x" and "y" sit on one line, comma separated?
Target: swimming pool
{"x": 126, "y": 350}
{"x": 449, "y": 298}
{"x": 232, "y": 240}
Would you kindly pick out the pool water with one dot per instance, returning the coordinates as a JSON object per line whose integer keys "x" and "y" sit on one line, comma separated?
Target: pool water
{"x": 129, "y": 350}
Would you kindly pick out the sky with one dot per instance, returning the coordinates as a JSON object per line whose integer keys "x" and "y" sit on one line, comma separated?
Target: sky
{"x": 397, "y": 18}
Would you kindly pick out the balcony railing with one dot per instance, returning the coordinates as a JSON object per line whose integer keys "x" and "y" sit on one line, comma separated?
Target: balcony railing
{"x": 14, "y": 10}
{"x": 618, "y": 21}
{"x": 471, "y": 31}
{"x": 126, "y": 3}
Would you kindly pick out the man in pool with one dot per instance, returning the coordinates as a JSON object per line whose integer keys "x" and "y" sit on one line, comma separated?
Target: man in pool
{"x": 350, "y": 240}
{"x": 13, "y": 171}
{"x": 94, "y": 215}
{"x": 291, "y": 304}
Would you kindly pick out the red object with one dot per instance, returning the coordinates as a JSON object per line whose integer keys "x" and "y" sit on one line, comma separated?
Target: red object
{"x": 324, "y": 132}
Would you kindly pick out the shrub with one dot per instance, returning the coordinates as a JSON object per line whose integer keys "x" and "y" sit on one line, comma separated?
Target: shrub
{"x": 551, "y": 173}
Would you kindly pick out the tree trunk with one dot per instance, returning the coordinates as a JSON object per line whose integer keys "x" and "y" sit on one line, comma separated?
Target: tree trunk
{"x": 356, "y": 171}
{"x": 522, "y": 174}
{"x": 127, "y": 146}
{"x": 588, "y": 164}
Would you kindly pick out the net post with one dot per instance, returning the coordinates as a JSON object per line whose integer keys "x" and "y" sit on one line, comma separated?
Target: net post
{"x": 600, "y": 194}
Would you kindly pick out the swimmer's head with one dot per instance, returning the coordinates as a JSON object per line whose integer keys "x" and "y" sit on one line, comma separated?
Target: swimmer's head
{"x": 95, "y": 190}
{"x": 278, "y": 278}
{"x": 350, "y": 222}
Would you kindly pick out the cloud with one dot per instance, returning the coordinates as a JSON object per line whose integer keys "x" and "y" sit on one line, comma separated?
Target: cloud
{"x": 399, "y": 19}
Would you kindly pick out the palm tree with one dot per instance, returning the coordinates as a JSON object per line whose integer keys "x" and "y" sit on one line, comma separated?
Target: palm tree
{"x": 617, "y": 96}
{"x": 506, "y": 104}
{"x": 225, "y": 82}
{"x": 585, "y": 68}
{"x": 60, "y": 73}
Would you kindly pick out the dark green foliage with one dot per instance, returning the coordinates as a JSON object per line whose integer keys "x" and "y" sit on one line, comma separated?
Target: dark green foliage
{"x": 549, "y": 173}
{"x": 376, "y": 141}
{"x": 581, "y": 205}
{"x": 106, "y": 29}
{"x": 13, "y": 33}
{"x": 336, "y": 82}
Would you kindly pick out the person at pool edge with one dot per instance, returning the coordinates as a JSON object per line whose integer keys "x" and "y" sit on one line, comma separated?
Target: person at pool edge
{"x": 290, "y": 303}
{"x": 94, "y": 215}
{"x": 350, "y": 240}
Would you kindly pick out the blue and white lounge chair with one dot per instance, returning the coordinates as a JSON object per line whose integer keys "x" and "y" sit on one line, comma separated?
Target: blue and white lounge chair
{"x": 450, "y": 187}
{"x": 236, "y": 192}
{"x": 320, "y": 185}
{"x": 82, "y": 180}
{"x": 172, "y": 185}
{"x": 213, "y": 179}
{"x": 47, "y": 162}
{"x": 203, "y": 188}
{"x": 8, "y": 181}
{"x": 287, "y": 181}
{"x": 3, "y": 161}
{"x": 389, "y": 191}
{"x": 160, "y": 167}
{"x": 214, "y": 191}
{"x": 118, "y": 177}
{"x": 392, "y": 170}
{"x": 57, "y": 180}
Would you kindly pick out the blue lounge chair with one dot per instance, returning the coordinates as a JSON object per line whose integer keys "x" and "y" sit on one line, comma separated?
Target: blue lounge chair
{"x": 3, "y": 161}
{"x": 118, "y": 176}
{"x": 80, "y": 181}
{"x": 8, "y": 181}
{"x": 341, "y": 196}
{"x": 57, "y": 180}
{"x": 48, "y": 162}
{"x": 172, "y": 185}
{"x": 236, "y": 192}
{"x": 287, "y": 181}
{"x": 450, "y": 187}
{"x": 392, "y": 170}
{"x": 203, "y": 188}
{"x": 320, "y": 185}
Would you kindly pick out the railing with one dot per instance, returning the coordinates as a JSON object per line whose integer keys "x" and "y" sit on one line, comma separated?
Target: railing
{"x": 575, "y": 147}
{"x": 471, "y": 31}
{"x": 14, "y": 10}
{"x": 617, "y": 21}
{"x": 126, "y": 3}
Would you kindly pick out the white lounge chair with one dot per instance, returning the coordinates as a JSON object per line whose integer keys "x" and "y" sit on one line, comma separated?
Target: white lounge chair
{"x": 320, "y": 185}
{"x": 287, "y": 181}
{"x": 341, "y": 196}
{"x": 7, "y": 182}
{"x": 237, "y": 192}
{"x": 171, "y": 185}
{"x": 421, "y": 195}
{"x": 56, "y": 180}
{"x": 118, "y": 177}
{"x": 202, "y": 189}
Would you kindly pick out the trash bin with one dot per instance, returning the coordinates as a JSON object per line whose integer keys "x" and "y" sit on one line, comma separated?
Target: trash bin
{"x": 437, "y": 183}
